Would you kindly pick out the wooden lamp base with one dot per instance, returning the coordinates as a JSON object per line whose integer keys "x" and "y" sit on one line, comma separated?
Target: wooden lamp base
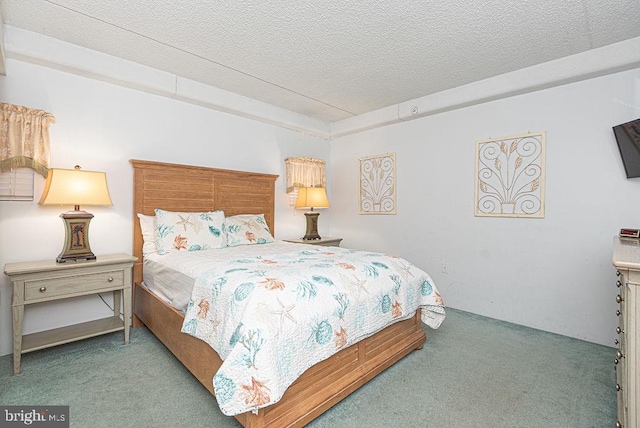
{"x": 76, "y": 244}
{"x": 312, "y": 226}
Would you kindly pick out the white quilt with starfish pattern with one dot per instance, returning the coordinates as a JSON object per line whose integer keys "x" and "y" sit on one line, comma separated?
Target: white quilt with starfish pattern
{"x": 271, "y": 317}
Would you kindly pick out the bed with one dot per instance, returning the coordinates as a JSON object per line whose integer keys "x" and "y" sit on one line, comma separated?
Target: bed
{"x": 174, "y": 187}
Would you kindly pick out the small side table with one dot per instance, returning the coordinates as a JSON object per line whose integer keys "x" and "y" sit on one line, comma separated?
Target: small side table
{"x": 44, "y": 281}
{"x": 327, "y": 242}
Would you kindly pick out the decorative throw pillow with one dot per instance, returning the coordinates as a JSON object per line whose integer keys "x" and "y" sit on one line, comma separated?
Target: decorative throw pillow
{"x": 247, "y": 229}
{"x": 178, "y": 231}
{"x": 148, "y": 227}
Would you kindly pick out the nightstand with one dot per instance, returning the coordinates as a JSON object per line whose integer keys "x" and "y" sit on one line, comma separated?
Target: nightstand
{"x": 43, "y": 281}
{"x": 327, "y": 242}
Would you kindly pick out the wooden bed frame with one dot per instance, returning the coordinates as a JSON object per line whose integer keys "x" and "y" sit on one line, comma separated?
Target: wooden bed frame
{"x": 193, "y": 189}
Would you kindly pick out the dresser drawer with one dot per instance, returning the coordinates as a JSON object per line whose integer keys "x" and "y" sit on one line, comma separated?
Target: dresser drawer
{"x": 620, "y": 329}
{"x": 56, "y": 287}
{"x": 620, "y": 390}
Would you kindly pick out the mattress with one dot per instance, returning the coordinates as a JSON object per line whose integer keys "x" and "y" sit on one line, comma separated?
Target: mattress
{"x": 172, "y": 276}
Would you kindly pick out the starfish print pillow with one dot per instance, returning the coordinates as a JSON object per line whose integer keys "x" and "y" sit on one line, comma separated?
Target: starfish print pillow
{"x": 184, "y": 231}
{"x": 247, "y": 229}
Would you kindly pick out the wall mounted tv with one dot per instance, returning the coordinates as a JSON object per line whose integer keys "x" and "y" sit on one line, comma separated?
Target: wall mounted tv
{"x": 628, "y": 138}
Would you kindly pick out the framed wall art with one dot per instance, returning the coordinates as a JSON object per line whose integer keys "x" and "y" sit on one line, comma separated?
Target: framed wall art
{"x": 377, "y": 194}
{"x": 510, "y": 176}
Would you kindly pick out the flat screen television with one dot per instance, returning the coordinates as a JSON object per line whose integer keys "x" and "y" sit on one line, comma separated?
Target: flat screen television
{"x": 628, "y": 138}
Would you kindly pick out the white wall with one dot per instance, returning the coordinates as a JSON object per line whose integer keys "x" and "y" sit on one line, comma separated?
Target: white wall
{"x": 554, "y": 273}
{"x": 101, "y": 126}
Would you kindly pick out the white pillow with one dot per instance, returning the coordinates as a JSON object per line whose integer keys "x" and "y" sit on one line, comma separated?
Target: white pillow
{"x": 183, "y": 231}
{"x": 148, "y": 227}
{"x": 246, "y": 229}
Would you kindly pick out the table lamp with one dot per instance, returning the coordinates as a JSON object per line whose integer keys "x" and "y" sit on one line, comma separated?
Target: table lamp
{"x": 75, "y": 187}
{"x": 312, "y": 197}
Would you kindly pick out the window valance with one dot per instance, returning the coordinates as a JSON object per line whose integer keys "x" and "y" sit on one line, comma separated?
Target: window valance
{"x": 305, "y": 172}
{"x": 24, "y": 138}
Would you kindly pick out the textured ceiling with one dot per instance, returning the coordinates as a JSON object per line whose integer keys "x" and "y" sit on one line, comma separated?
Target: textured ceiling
{"x": 332, "y": 59}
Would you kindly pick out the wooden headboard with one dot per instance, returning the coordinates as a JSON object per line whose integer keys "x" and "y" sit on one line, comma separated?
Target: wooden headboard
{"x": 186, "y": 188}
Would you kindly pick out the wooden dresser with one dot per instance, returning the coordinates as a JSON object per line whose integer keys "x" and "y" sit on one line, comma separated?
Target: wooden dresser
{"x": 626, "y": 259}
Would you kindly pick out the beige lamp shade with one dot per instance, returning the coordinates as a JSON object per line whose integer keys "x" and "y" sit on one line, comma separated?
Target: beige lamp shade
{"x": 312, "y": 197}
{"x": 75, "y": 187}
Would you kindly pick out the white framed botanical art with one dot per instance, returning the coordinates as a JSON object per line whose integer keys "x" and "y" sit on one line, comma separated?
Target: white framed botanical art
{"x": 510, "y": 176}
{"x": 377, "y": 190}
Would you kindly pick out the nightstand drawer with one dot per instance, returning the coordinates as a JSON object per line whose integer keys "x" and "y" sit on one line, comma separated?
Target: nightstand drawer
{"x": 48, "y": 288}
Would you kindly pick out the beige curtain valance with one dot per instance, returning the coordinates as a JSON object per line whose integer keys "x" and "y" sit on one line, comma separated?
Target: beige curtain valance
{"x": 24, "y": 138}
{"x": 305, "y": 172}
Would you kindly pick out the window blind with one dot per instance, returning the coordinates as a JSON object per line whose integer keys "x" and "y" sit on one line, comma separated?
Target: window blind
{"x": 16, "y": 185}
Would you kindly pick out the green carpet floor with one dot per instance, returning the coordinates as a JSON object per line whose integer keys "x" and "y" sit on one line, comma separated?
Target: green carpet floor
{"x": 472, "y": 372}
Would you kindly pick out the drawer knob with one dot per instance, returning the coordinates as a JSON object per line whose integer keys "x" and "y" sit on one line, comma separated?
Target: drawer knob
{"x": 618, "y": 273}
{"x": 618, "y": 424}
{"x": 618, "y": 387}
{"x": 618, "y": 284}
{"x": 616, "y": 361}
{"x": 618, "y": 313}
{"x": 619, "y": 330}
{"x": 619, "y": 299}
{"x": 616, "y": 341}
{"x": 619, "y": 354}
{"x": 43, "y": 289}
{"x": 110, "y": 279}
